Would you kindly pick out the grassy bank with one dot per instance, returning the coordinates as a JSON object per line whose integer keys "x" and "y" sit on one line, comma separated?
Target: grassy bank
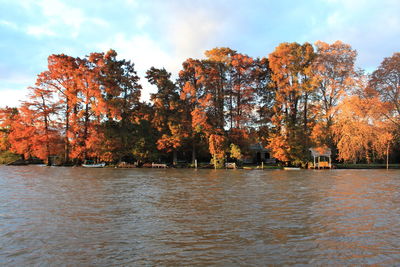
{"x": 8, "y": 157}
{"x": 367, "y": 166}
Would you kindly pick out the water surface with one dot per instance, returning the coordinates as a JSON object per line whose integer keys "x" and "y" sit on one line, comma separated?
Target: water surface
{"x": 80, "y": 217}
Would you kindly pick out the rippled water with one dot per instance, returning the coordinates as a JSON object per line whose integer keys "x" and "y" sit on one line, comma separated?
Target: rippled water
{"x": 76, "y": 216}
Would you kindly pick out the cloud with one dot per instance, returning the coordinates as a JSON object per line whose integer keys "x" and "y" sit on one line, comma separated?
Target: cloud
{"x": 39, "y": 31}
{"x": 8, "y": 24}
{"x": 57, "y": 18}
{"x": 145, "y": 52}
{"x": 165, "y": 33}
{"x": 190, "y": 29}
{"x": 12, "y": 97}
{"x": 365, "y": 25}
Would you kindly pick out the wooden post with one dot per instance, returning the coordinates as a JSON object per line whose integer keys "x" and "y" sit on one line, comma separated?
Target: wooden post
{"x": 195, "y": 163}
{"x": 262, "y": 165}
{"x": 330, "y": 162}
{"x": 314, "y": 162}
{"x": 387, "y": 157}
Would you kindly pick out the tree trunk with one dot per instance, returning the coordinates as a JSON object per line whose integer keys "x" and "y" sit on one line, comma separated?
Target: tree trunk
{"x": 193, "y": 151}
{"x": 387, "y": 157}
{"x": 66, "y": 140}
{"x": 174, "y": 157}
{"x": 86, "y": 132}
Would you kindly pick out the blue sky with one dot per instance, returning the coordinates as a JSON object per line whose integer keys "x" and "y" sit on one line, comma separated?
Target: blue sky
{"x": 163, "y": 33}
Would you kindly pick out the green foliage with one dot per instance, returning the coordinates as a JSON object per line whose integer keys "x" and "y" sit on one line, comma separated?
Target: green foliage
{"x": 8, "y": 157}
{"x": 235, "y": 152}
{"x": 144, "y": 148}
{"x": 218, "y": 162}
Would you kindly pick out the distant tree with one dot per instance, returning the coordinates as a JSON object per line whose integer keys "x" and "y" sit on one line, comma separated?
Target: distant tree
{"x": 7, "y": 116}
{"x": 361, "y": 131}
{"x": 120, "y": 103}
{"x": 167, "y": 112}
{"x": 334, "y": 76}
{"x": 353, "y": 132}
{"x": 218, "y": 86}
{"x": 42, "y": 110}
{"x": 385, "y": 83}
{"x": 217, "y": 147}
{"x": 195, "y": 102}
{"x": 235, "y": 152}
{"x": 243, "y": 91}
{"x": 265, "y": 98}
{"x": 61, "y": 78}
{"x": 291, "y": 64}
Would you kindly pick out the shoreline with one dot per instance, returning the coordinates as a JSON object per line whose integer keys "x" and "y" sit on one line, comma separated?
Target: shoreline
{"x": 393, "y": 166}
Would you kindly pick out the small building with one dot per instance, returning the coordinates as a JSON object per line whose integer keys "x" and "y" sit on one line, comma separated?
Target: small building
{"x": 322, "y": 157}
{"x": 257, "y": 154}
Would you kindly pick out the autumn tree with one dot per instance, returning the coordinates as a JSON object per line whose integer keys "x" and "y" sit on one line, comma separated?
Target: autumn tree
{"x": 353, "y": 132}
{"x": 7, "y": 117}
{"x": 120, "y": 103}
{"x": 265, "y": 98}
{"x": 217, "y": 147}
{"x": 235, "y": 152}
{"x": 167, "y": 112}
{"x": 218, "y": 86}
{"x": 291, "y": 64}
{"x": 385, "y": 83}
{"x": 43, "y": 109}
{"x": 61, "y": 78}
{"x": 195, "y": 101}
{"x": 243, "y": 92}
{"x": 360, "y": 130}
{"x": 334, "y": 75}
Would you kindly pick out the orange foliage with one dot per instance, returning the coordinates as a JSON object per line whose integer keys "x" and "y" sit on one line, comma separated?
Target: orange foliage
{"x": 217, "y": 145}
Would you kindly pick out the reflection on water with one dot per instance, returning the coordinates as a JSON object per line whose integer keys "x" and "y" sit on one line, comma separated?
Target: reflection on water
{"x": 76, "y": 216}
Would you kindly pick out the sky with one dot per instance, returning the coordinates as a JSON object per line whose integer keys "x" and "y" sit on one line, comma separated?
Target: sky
{"x": 163, "y": 33}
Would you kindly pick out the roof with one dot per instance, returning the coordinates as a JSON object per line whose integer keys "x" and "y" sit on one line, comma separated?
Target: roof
{"x": 321, "y": 151}
{"x": 258, "y": 147}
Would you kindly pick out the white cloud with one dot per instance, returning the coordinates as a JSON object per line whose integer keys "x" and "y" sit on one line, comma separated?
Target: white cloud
{"x": 365, "y": 25}
{"x": 58, "y": 18}
{"x": 141, "y": 21}
{"x": 12, "y": 97}
{"x": 193, "y": 28}
{"x": 144, "y": 52}
{"x": 9, "y": 24}
{"x": 39, "y": 31}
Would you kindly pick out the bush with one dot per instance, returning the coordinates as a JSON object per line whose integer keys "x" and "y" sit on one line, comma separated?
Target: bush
{"x": 8, "y": 157}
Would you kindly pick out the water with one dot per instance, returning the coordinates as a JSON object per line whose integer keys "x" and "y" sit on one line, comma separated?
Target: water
{"x": 130, "y": 217}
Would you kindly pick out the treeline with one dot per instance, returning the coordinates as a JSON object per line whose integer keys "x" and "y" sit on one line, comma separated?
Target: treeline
{"x": 300, "y": 96}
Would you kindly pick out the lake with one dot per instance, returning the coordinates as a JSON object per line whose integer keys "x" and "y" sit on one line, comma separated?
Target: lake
{"x": 84, "y": 217}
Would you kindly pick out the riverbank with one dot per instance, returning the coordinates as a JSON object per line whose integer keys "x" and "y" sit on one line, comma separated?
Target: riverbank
{"x": 210, "y": 166}
{"x": 367, "y": 166}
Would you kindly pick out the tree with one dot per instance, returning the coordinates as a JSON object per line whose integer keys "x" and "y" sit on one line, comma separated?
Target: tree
{"x": 235, "y": 152}
{"x": 195, "y": 102}
{"x": 217, "y": 147}
{"x": 353, "y": 130}
{"x": 119, "y": 103}
{"x": 61, "y": 78}
{"x": 218, "y": 86}
{"x": 334, "y": 75}
{"x": 167, "y": 112}
{"x": 291, "y": 65}
{"x": 243, "y": 93}
{"x": 41, "y": 110}
{"x": 264, "y": 97}
{"x": 7, "y": 117}
{"x": 361, "y": 131}
{"x": 385, "y": 83}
